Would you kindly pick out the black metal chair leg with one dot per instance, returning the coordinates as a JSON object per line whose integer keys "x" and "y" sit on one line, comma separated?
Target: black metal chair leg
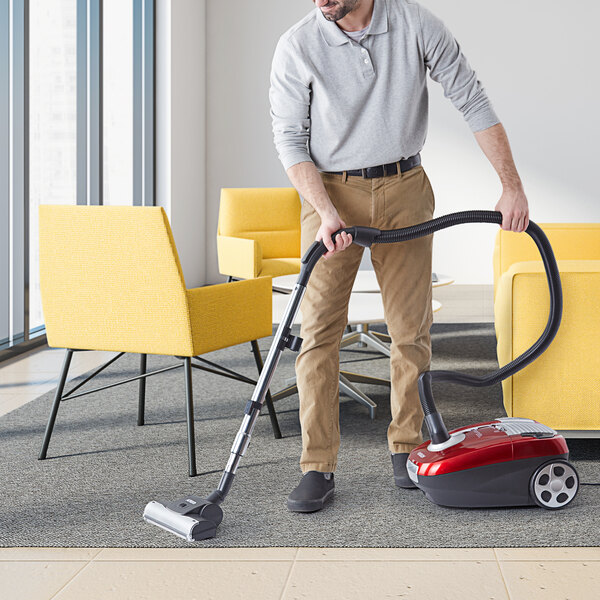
{"x": 142, "y": 390}
{"x": 56, "y": 403}
{"x": 268, "y": 399}
{"x": 187, "y": 368}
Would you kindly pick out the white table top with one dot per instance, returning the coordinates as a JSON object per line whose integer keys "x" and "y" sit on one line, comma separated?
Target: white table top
{"x": 364, "y": 308}
{"x": 365, "y": 282}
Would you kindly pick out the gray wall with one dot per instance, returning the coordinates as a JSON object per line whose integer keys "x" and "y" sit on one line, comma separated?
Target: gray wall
{"x": 537, "y": 60}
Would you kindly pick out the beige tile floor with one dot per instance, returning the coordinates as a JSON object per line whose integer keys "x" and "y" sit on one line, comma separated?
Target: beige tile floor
{"x": 284, "y": 573}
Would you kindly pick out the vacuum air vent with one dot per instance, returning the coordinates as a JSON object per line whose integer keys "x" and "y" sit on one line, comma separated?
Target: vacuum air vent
{"x": 520, "y": 426}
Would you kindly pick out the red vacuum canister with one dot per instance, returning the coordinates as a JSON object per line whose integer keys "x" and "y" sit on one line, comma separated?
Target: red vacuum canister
{"x": 506, "y": 462}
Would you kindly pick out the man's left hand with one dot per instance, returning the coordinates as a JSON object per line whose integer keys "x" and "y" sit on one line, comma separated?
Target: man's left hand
{"x": 514, "y": 208}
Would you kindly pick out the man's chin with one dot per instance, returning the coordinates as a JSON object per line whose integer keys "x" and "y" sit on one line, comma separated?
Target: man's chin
{"x": 332, "y": 16}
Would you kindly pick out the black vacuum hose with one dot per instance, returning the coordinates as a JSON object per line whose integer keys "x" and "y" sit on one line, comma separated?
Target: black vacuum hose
{"x": 366, "y": 236}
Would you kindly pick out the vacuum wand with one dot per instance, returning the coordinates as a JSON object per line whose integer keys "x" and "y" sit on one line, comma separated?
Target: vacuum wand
{"x": 194, "y": 518}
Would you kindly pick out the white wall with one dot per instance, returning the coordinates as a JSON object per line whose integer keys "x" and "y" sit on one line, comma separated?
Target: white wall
{"x": 180, "y": 129}
{"x": 536, "y": 60}
{"x": 241, "y": 37}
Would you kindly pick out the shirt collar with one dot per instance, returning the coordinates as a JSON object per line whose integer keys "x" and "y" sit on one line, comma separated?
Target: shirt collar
{"x": 334, "y": 36}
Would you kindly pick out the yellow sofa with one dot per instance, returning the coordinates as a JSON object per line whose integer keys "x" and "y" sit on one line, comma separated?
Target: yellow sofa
{"x": 562, "y": 387}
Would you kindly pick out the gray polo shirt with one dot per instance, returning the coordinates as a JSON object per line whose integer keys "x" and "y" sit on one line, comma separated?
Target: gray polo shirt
{"x": 347, "y": 105}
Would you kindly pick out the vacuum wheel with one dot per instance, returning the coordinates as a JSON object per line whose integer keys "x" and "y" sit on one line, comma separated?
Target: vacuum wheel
{"x": 554, "y": 484}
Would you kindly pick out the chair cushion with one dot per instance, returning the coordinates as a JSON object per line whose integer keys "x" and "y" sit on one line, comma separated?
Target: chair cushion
{"x": 274, "y": 267}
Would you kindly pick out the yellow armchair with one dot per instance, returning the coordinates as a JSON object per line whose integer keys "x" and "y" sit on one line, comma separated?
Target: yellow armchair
{"x": 562, "y": 387}
{"x": 259, "y": 232}
{"x": 110, "y": 279}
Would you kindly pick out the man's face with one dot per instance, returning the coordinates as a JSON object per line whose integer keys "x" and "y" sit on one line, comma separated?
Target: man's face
{"x": 334, "y": 10}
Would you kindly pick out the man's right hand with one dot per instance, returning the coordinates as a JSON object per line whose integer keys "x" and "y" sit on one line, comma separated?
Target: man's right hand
{"x": 330, "y": 223}
{"x": 307, "y": 180}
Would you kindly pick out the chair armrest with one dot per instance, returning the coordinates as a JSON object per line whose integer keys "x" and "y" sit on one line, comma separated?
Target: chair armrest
{"x": 568, "y": 368}
{"x": 239, "y": 257}
{"x": 227, "y": 314}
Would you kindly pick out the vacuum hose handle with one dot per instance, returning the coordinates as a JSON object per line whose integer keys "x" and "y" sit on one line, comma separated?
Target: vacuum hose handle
{"x": 366, "y": 236}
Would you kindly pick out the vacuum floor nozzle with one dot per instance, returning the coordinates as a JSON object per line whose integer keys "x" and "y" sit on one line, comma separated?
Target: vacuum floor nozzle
{"x": 190, "y": 518}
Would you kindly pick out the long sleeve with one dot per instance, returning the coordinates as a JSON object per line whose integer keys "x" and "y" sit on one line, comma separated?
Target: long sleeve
{"x": 448, "y": 66}
{"x": 289, "y": 96}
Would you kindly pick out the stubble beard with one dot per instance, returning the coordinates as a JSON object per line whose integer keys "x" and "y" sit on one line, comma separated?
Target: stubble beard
{"x": 344, "y": 7}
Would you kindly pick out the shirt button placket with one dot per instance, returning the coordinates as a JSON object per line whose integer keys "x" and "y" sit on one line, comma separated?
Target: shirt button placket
{"x": 367, "y": 64}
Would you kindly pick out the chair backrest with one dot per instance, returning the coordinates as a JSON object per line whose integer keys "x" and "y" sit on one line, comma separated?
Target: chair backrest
{"x": 271, "y": 216}
{"x": 110, "y": 279}
{"x": 570, "y": 241}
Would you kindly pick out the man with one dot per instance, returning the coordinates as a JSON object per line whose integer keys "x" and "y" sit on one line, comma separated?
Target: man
{"x": 349, "y": 108}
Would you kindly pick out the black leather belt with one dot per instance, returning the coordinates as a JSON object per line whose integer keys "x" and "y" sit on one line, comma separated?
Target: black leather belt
{"x": 382, "y": 170}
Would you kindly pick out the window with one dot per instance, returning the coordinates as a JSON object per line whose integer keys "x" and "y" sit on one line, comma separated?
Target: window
{"x": 76, "y": 127}
{"x": 52, "y": 123}
{"x": 117, "y": 70}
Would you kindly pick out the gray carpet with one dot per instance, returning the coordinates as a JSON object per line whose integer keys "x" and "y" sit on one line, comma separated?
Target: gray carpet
{"x": 102, "y": 468}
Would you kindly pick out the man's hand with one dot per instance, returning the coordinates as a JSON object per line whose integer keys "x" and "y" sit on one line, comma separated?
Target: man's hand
{"x": 514, "y": 208}
{"x": 330, "y": 223}
{"x": 306, "y": 179}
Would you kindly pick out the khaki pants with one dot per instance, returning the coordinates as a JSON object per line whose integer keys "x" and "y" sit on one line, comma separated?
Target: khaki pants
{"x": 404, "y": 274}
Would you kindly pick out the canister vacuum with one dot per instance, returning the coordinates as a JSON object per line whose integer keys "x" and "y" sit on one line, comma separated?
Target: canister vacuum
{"x": 505, "y": 462}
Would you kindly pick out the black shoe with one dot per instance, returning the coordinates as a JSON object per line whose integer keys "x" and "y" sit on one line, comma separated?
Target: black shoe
{"x": 312, "y": 492}
{"x": 401, "y": 478}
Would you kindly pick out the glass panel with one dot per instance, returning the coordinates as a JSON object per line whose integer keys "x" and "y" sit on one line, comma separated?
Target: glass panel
{"x": 4, "y": 175}
{"x": 52, "y": 122}
{"x": 19, "y": 166}
{"x": 117, "y": 46}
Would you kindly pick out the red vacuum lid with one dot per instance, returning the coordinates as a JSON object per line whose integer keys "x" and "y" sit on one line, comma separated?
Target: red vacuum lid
{"x": 487, "y": 443}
